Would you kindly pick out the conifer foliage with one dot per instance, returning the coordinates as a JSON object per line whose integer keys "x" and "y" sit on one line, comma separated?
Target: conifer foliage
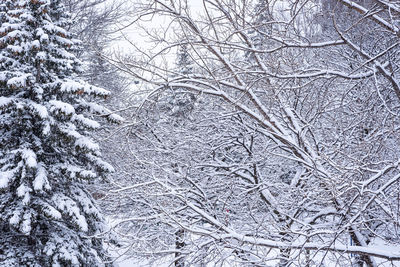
{"x": 47, "y": 216}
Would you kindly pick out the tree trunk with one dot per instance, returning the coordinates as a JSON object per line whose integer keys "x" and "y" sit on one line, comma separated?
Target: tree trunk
{"x": 179, "y": 244}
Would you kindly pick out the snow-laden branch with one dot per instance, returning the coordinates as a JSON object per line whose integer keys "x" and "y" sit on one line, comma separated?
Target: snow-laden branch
{"x": 376, "y": 18}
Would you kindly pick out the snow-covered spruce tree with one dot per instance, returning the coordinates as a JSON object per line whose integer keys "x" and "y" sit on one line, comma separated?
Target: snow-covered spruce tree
{"x": 47, "y": 216}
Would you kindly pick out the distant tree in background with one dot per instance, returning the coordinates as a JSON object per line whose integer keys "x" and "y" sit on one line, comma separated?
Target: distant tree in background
{"x": 96, "y": 24}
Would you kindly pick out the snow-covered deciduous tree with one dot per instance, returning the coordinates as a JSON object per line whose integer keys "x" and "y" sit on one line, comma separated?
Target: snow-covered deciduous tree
{"x": 292, "y": 155}
{"x": 46, "y": 157}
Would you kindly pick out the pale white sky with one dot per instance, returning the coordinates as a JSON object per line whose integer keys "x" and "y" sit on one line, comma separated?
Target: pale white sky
{"x": 136, "y": 34}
